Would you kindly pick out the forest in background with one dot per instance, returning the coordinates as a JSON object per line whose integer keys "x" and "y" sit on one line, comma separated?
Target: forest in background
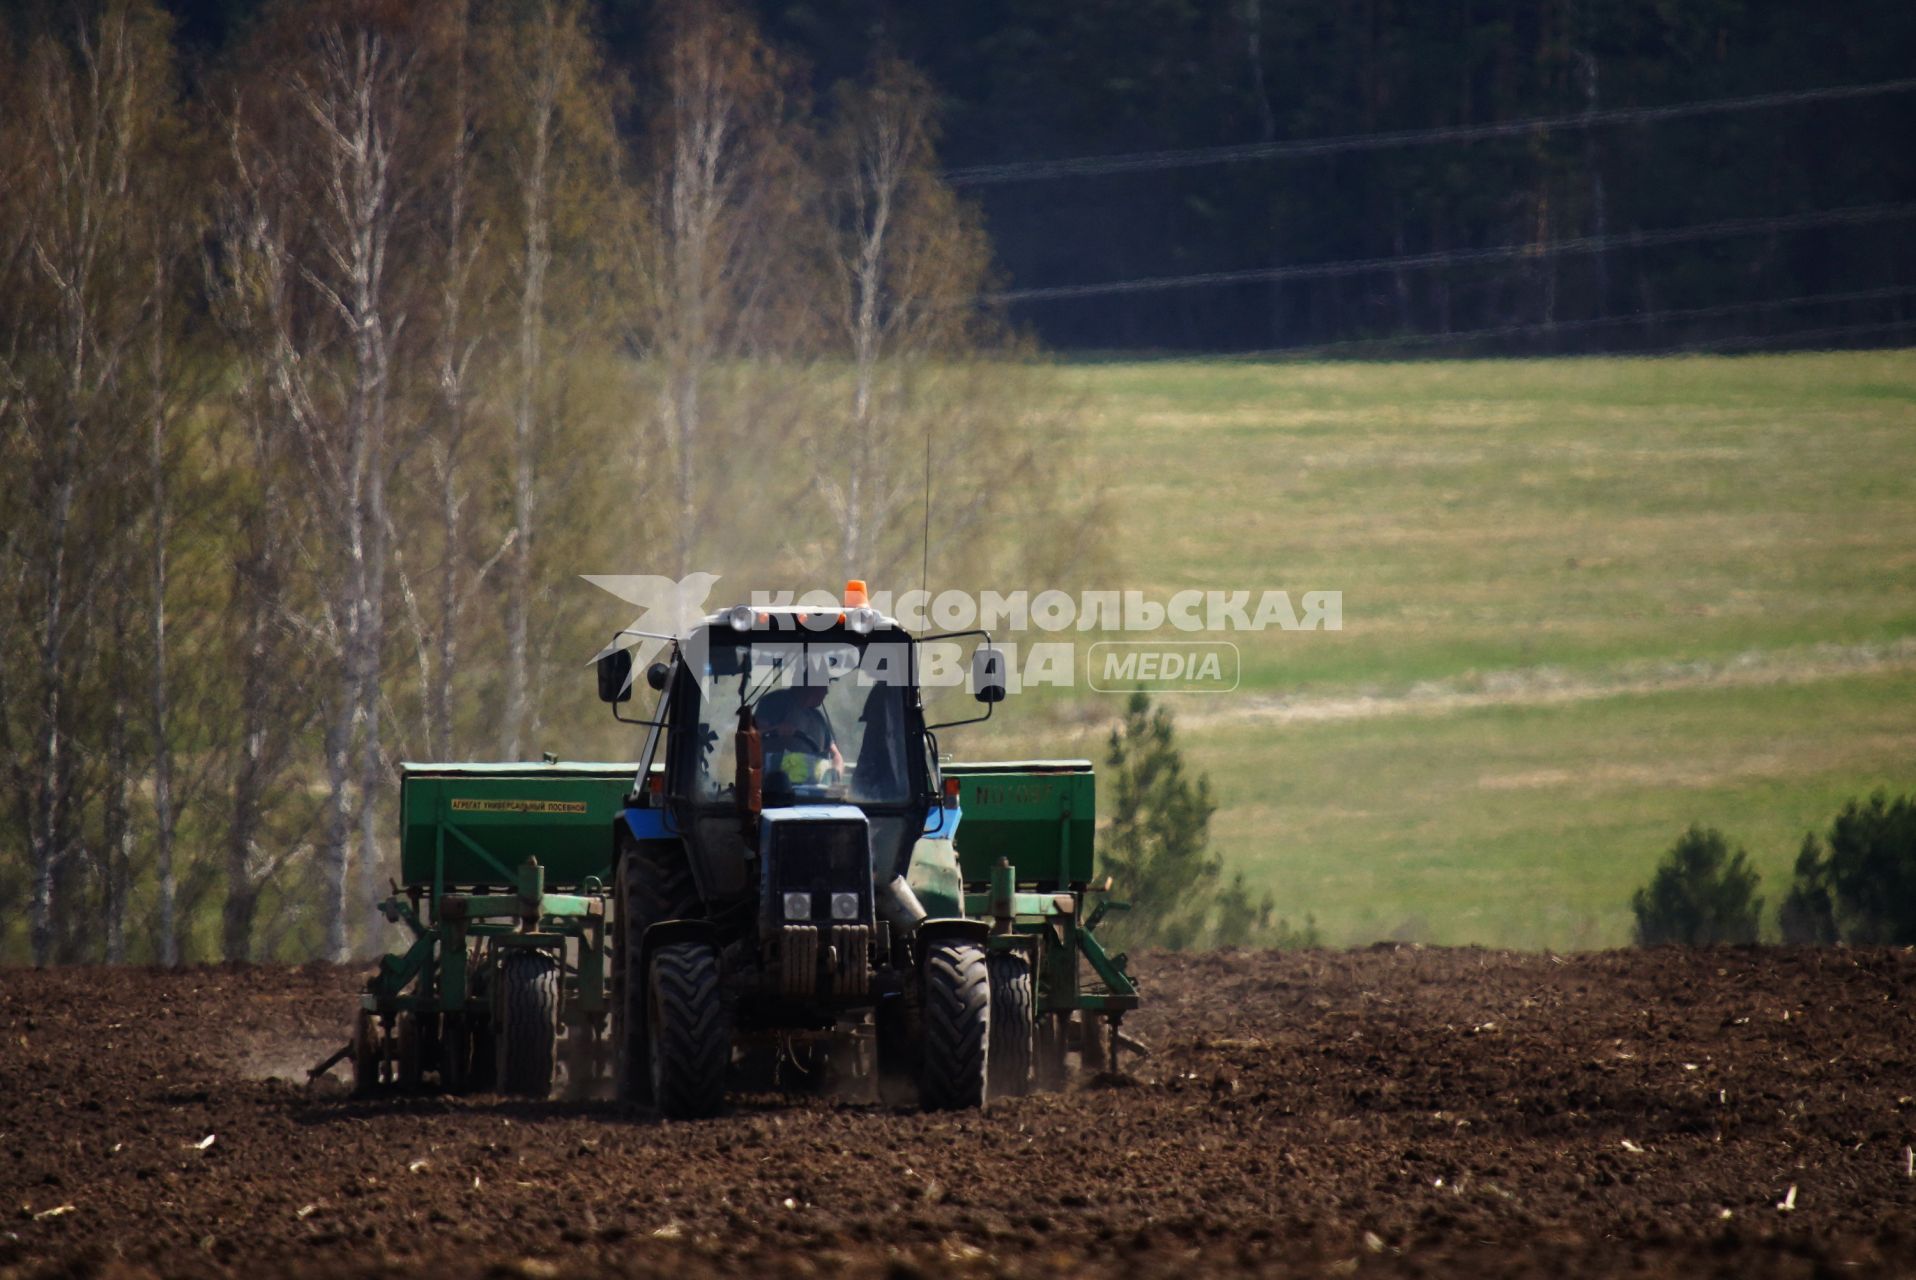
{"x": 1035, "y": 80}
{"x": 338, "y": 339}
{"x": 328, "y": 363}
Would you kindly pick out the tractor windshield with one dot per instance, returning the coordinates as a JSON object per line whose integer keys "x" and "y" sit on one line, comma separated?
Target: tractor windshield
{"x": 831, "y": 718}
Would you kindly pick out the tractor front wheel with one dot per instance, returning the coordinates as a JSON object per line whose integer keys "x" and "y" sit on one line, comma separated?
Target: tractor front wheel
{"x": 957, "y": 1022}
{"x": 528, "y": 1027}
{"x": 1013, "y": 1026}
{"x": 653, "y": 884}
{"x": 688, "y": 1039}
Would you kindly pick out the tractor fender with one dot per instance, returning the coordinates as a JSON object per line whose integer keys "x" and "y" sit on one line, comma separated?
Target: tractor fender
{"x": 647, "y": 824}
{"x": 667, "y": 932}
{"x": 949, "y": 928}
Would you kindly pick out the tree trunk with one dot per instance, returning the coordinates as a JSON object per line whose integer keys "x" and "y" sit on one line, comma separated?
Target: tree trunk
{"x": 372, "y": 757}
{"x": 454, "y": 350}
{"x": 1593, "y": 169}
{"x": 242, "y": 893}
{"x": 116, "y": 845}
{"x": 534, "y": 180}
{"x": 685, "y": 421}
{"x": 49, "y": 768}
{"x": 263, "y": 673}
{"x": 1253, "y": 13}
{"x": 164, "y": 813}
{"x": 334, "y": 906}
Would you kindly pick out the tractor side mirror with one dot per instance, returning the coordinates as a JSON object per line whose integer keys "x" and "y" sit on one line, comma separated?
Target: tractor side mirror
{"x": 615, "y": 676}
{"x": 657, "y": 674}
{"x": 988, "y": 674}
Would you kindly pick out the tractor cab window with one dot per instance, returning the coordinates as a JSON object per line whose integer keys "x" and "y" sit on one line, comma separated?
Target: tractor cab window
{"x": 831, "y": 717}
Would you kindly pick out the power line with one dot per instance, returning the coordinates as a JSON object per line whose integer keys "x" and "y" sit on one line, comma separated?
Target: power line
{"x": 1673, "y": 315}
{"x": 1189, "y": 157}
{"x": 1723, "y": 229}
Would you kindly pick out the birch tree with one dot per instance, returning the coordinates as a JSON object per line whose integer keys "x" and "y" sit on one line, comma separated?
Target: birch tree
{"x": 553, "y": 125}
{"x": 907, "y": 259}
{"x": 463, "y": 320}
{"x": 99, "y": 95}
{"x": 247, "y": 283}
{"x": 329, "y": 147}
{"x": 710, "y": 232}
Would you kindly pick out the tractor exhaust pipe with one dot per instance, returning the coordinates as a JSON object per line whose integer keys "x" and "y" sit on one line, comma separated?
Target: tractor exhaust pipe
{"x": 900, "y": 907}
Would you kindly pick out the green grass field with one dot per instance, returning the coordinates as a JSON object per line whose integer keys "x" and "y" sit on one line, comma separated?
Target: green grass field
{"x": 1586, "y": 602}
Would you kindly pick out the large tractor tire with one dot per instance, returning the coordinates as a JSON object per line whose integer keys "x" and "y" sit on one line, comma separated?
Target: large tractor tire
{"x": 528, "y": 1029}
{"x": 1013, "y": 1025}
{"x": 688, "y": 1037}
{"x": 957, "y": 1026}
{"x": 654, "y": 883}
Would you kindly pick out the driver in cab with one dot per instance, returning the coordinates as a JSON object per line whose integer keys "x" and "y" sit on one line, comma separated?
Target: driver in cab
{"x": 798, "y": 737}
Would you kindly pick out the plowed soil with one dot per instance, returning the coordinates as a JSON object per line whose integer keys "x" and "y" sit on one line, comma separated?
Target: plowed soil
{"x": 1387, "y": 1112}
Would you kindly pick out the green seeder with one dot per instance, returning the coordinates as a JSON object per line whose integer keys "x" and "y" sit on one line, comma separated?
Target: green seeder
{"x": 787, "y": 875}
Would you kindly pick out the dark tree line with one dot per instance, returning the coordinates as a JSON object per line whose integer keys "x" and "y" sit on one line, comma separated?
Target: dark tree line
{"x": 1033, "y": 79}
{"x": 1042, "y": 79}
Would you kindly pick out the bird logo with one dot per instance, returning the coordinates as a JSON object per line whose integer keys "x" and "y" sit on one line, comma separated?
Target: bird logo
{"x": 668, "y": 608}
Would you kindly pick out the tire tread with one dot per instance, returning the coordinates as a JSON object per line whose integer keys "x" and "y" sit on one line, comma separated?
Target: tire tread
{"x": 654, "y": 883}
{"x": 528, "y": 1023}
{"x": 1013, "y": 1025}
{"x": 694, "y": 1037}
{"x": 957, "y": 1027}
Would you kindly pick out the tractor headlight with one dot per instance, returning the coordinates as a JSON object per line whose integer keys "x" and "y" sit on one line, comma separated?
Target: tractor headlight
{"x": 861, "y": 620}
{"x": 741, "y": 617}
{"x": 844, "y": 906}
{"x": 798, "y": 906}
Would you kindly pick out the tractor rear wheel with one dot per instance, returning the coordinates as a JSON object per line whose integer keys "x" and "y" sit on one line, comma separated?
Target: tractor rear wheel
{"x": 528, "y": 1027}
{"x": 1013, "y": 1026}
{"x": 654, "y": 883}
{"x": 957, "y": 1023}
{"x": 688, "y": 1038}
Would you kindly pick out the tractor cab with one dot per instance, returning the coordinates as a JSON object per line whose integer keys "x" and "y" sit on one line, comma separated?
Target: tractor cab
{"x": 765, "y": 709}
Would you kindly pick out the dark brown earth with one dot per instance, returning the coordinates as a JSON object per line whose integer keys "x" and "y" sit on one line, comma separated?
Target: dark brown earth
{"x": 1388, "y": 1112}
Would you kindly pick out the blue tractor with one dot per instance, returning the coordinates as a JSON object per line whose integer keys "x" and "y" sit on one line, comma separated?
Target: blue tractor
{"x": 786, "y": 886}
